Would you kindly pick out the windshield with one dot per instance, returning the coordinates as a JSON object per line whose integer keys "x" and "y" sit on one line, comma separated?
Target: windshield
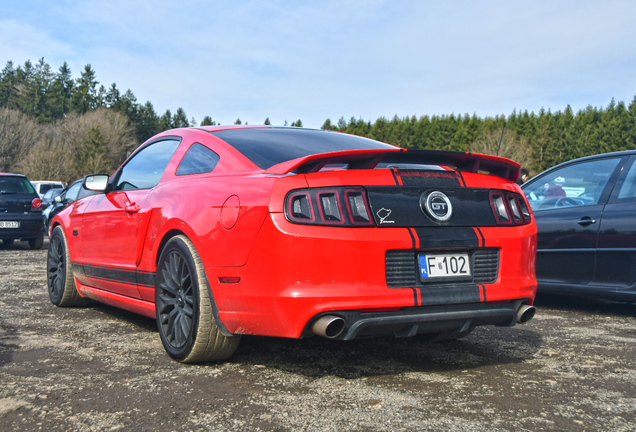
{"x": 15, "y": 185}
{"x": 267, "y": 147}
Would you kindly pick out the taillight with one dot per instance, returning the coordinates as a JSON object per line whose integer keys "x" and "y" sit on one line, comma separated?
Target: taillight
{"x": 357, "y": 207}
{"x": 509, "y": 208}
{"x": 36, "y": 204}
{"x": 299, "y": 208}
{"x": 328, "y": 206}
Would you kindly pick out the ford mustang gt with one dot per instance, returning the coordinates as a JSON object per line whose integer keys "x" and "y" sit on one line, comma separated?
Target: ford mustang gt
{"x": 219, "y": 231}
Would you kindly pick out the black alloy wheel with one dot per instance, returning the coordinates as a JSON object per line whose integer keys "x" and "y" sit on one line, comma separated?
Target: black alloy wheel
{"x": 183, "y": 305}
{"x": 176, "y": 300}
{"x": 56, "y": 268}
{"x": 59, "y": 274}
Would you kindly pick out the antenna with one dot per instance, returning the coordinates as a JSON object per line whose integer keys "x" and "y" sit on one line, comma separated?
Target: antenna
{"x": 501, "y": 138}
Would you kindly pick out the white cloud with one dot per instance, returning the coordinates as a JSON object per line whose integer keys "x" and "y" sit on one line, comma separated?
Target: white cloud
{"x": 313, "y": 60}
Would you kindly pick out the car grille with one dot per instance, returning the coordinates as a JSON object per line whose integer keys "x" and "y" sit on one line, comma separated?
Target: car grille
{"x": 402, "y": 270}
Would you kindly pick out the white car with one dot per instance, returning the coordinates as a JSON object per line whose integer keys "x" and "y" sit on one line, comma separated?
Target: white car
{"x": 41, "y": 187}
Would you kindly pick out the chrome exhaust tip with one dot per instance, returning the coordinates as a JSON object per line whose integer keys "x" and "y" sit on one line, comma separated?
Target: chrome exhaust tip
{"x": 525, "y": 313}
{"x": 329, "y": 326}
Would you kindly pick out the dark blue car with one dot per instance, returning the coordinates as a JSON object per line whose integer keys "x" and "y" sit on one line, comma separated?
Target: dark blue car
{"x": 585, "y": 212}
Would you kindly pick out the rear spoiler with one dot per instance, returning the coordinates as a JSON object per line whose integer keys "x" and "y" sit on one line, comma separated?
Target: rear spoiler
{"x": 369, "y": 159}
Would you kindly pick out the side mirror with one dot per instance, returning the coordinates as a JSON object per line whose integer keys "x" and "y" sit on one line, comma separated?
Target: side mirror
{"x": 95, "y": 182}
{"x": 57, "y": 199}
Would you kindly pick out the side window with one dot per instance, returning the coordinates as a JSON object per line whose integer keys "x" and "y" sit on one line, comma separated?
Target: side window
{"x": 573, "y": 185}
{"x": 628, "y": 188}
{"x": 197, "y": 160}
{"x": 72, "y": 192}
{"x": 145, "y": 169}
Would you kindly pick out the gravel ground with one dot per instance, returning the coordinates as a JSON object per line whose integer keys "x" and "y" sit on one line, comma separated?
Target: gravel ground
{"x": 99, "y": 368}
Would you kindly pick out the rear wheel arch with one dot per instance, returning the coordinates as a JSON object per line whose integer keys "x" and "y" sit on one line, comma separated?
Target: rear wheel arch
{"x": 169, "y": 235}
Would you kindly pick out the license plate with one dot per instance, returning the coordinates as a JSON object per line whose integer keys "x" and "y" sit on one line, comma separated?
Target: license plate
{"x": 9, "y": 224}
{"x": 444, "y": 266}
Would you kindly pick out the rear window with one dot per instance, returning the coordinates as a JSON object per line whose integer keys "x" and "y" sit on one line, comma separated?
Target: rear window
{"x": 270, "y": 146}
{"x": 15, "y": 185}
{"x": 45, "y": 187}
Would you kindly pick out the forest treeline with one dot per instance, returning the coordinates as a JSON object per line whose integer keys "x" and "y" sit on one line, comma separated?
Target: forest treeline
{"x": 54, "y": 126}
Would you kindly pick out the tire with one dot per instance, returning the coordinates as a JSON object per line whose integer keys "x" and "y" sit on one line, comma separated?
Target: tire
{"x": 8, "y": 241}
{"x": 444, "y": 336}
{"x": 60, "y": 280}
{"x": 184, "y": 316}
{"x": 36, "y": 243}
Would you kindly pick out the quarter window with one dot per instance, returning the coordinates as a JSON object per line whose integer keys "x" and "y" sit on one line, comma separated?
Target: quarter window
{"x": 145, "y": 168}
{"x": 198, "y": 160}
{"x": 628, "y": 188}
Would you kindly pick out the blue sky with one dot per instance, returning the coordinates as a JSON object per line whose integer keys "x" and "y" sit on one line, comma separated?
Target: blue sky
{"x": 313, "y": 60}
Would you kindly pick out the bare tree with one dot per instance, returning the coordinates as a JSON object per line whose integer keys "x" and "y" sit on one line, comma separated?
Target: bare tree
{"x": 513, "y": 146}
{"x": 95, "y": 142}
{"x": 18, "y": 134}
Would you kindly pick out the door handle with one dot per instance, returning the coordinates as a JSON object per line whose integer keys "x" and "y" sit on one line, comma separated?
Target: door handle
{"x": 133, "y": 208}
{"x": 586, "y": 221}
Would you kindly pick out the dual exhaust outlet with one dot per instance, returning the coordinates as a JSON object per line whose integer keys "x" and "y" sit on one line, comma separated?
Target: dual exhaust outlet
{"x": 331, "y": 326}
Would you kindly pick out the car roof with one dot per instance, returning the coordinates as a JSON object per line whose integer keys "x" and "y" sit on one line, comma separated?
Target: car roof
{"x": 12, "y": 175}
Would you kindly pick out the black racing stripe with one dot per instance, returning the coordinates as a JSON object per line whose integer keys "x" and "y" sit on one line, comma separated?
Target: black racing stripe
{"x": 148, "y": 278}
{"x": 443, "y": 237}
{"x": 132, "y": 277}
{"x": 483, "y": 240}
{"x": 117, "y": 275}
{"x": 415, "y": 296}
{"x": 456, "y": 295}
{"x": 412, "y": 238}
{"x": 395, "y": 178}
{"x": 461, "y": 178}
{"x": 483, "y": 287}
{"x": 78, "y": 268}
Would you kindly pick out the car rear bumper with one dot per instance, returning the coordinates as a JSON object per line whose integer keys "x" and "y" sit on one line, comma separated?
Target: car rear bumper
{"x": 297, "y": 273}
{"x": 30, "y": 226}
{"x": 425, "y": 319}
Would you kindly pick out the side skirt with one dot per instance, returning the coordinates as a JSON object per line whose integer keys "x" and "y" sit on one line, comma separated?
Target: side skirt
{"x": 127, "y": 303}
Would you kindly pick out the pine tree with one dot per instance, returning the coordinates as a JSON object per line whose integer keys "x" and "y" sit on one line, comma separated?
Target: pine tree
{"x": 238, "y": 121}
{"x": 85, "y": 92}
{"x": 165, "y": 122}
{"x": 207, "y": 121}
{"x": 326, "y": 125}
{"x": 267, "y": 123}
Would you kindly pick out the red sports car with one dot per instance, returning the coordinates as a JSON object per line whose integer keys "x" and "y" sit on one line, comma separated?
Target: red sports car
{"x": 222, "y": 231}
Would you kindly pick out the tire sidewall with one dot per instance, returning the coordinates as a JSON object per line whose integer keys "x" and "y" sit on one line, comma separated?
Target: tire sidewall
{"x": 178, "y": 245}
{"x": 57, "y": 233}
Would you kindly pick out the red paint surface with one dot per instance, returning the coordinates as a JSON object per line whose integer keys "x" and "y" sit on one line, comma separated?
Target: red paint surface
{"x": 288, "y": 272}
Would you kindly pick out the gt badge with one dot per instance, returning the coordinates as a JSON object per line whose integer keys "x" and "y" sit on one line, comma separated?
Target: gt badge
{"x": 437, "y": 205}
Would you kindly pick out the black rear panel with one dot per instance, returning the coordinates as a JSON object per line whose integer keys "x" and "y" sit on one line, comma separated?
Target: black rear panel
{"x": 400, "y": 206}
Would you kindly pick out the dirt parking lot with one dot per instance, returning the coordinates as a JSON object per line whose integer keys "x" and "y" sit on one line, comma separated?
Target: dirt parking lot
{"x": 98, "y": 368}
